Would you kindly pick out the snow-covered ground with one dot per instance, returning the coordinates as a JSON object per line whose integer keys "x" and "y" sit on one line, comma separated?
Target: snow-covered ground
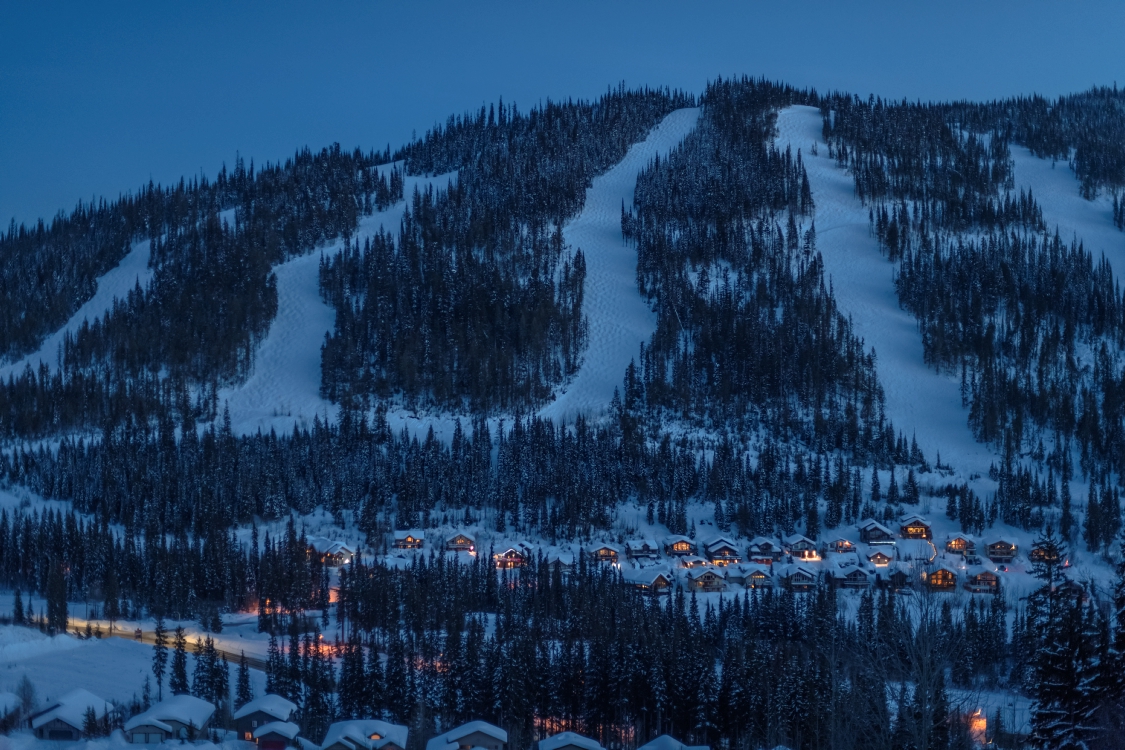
{"x": 918, "y": 400}
{"x": 115, "y": 284}
{"x": 620, "y": 320}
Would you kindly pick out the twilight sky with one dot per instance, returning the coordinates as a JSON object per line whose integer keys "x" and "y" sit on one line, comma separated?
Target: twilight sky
{"x": 97, "y": 100}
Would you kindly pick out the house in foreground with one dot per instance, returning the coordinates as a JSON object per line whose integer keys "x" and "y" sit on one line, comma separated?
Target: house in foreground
{"x": 569, "y": 741}
{"x": 181, "y": 717}
{"x": 467, "y": 736}
{"x": 667, "y": 742}
{"x": 277, "y": 735}
{"x": 1002, "y": 549}
{"x": 257, "y": 713}
{"x": 63, "y": 719}
{"x": 365, "y": 734}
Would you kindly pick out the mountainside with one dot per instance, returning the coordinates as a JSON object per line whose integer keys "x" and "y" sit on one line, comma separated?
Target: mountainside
{"x": 757, "y": 314}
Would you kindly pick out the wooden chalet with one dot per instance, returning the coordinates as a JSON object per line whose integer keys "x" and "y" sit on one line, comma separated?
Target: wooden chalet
{"x": 64, "y": 719}
{"x": 410, "y": 539}
{"x": 693, "y": 561}
{"x": 941, "y": 579}
{"x": 605, "y": 553}
{"x": 750, "y": 575}
{"x": 706, "y": 580}
{"x": 460, "y": 542}
{"x": 564, "y": 561}
{"x": 475, "y": 734}
{"x": 960, "y": 544}
{"x": 1073, "y": 590}
{"x": 1042, "y": 554}
{"x": 364, "y": 734}
{"x": 801, "y": 547}
{"x": 722, "y": 551}
{"x": 642, "y": 549}
{"x": 878, "y": 558}
{"x": 852, "y": 577}
{"x": 763, "y": 550}
{"x": 873, "y": 532}
{"x": 181, "y": 717}
{"x": 797, "y": 577}
{"x": 330, "y": 552}
{"x": 1002, "y": 550}
{"x": 510, "y": 558}
{"x": 679, "y": 546}
{"x": 895, "y": 578}
{"x": 266, "y": 709}
{"x": 277, "y": 735}
{"x": 840, "y": 546}
{"x": 916, "y": 527}
{"x": 648, "y": 581}
{"x": 982, "y": 581}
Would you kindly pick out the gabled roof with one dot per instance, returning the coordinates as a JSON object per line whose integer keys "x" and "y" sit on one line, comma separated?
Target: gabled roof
{"x": 455, "y": 534}
{"x": 960, "y": 535}
{"x": 448, "y": 741}
{"x": 563, "y": 739}
{"x": 641, "y": 544}
{"x": 184, "y": 709}
{"x": 694, "y": 573}
{"x": 606, "y": 545}
{"x": 666, "y": 742}
{"x": 273, "y": 705}
{"x": 565, "y": 559}
{"x": 871, "y": 523}
{"x": 915, "y": 518}
{"x": 71, "y": 708}
{"x": 646, "y": 576}
{"x": 286, "y": 729}
{"x": 356, "y": 733}
{"x": 758, "y": 541}
{"x": 796, "y": 538}
{"x": 976, "y": 570}
{"x": 1004, "y": 539}
{"x": 330, "y": 546}
{"x": 785, "y": 571}
{"x": 415, "y": 533}
{"x": 667, "y": 540}
{"x": 710, "y": 545}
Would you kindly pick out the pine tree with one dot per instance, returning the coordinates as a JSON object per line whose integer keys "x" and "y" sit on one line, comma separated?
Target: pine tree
{"x": 244, "y": 693}
{"x": 17, "y": 609}
{"x": 159, "y": 656}
{"x": 178, "y": 683}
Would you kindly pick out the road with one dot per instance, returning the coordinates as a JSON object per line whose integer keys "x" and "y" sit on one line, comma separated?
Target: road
{"x": 78, "y": 628}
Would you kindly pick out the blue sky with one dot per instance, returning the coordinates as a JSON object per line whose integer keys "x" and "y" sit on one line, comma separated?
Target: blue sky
{"x": 97, "y": 98}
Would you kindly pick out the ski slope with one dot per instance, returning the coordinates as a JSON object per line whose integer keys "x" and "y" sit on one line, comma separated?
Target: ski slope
{"x": 619, "y": 319}
{"x": 918, "y": 400}
{"x": 115, "y": 284}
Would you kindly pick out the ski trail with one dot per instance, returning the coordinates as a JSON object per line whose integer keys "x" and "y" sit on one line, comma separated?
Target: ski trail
{"x": 619, "y": 319}
{"x": 918, "y": 400}
{"x": 283, "y": 389}
{"x": 1055, "y": 188}
{"x": 115, "y": 284}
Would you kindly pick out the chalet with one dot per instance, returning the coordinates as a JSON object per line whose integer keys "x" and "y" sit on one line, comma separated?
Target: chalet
{"x": 410, "y": 539}
{"x": 181, "y": 717}
{"x": 982, "y": 581}
{"x": 960, "y": 544}
{"x": 261, "y": 711}
{"x": 510, "y": 558}
{"x": 873, "y": 532}
{"x": 331, "y": 552}
{"x": 648, "y": 580}
{"x": 706, "y": 580}
{"x": 1048, "y": 554}
{"x": 277, "y": 735}
{"x": 801, "y": 547}
{"x": 605, "y": 553}
{"x": 564, "y": 561}
{"x": 569, "y": 741}
{"x": 63, "y": 719}
{"x": 679, "y": 546}
{"x": 796, "y": 577}
{"x": 764, "y": 550}
{"x": 475, "y": 734}
{"x": 722, "y": 551}
{"x": 1073, "y": 590}
{"x": 916, "y": 527}
{"x": 664, "y": 742}
{"x": 878, "y": 558}
{"x": 852, "y": 577}
{"x": 896, "y": 578}
{"x": 1002, "y": 549}
{"x": 750, "y": 575}
{"x": 460, "y": 542}
{"x": 365, "y": 734}
{"x": 840, "y": 546}
{"x": 941, "y": 578}
{"x": 693, "y": 561}
{"x": 642, "y": 549}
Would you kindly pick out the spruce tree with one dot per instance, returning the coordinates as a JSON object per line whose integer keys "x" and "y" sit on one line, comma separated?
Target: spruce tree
{"x": 159, "y": 656}
{"x": 178, "y": 683}
{"x": 244, "y": 693}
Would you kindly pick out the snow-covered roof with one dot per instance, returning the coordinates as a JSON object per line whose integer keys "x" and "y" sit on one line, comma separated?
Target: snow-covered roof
{"x": 565, "y": 739}
{"x": 712, "y": 544}
{"x": 357, "y": 734}
{"x": 330, "y": 546}
{"x": 914, "y": 518}
{"x": 960, "y": 535}
{"x": 276, "y": 706}
{"x": 797, "y": 538}
{"x": 456, "y": 534}
{"x": 638, "y": 544}
{"x": 183, "y": 709}
{"x": 873, "y": 524}
{"x": 286, "y": 729}
{"x": 976, "y": 570}
{"x": 758, "y": 541}
{"x": 673, "y": 539}
{"x": 606, "y": 545}
{"x": 448, "y": 741}
{"x": 71, "y": 708}
{"x": 8, "y": 702}
{"x": 785, "y": 571}
{"x": 565, "y": 559}
{"x": 845, "y": 571}
{"x": 1002, "y": 539}
{"x": 695, "y": 573}
{"x": 666, "y": 742}
{"x": 412, "y": 533}
{"x": 646, "y": 576}
{"x": 915, "y": 549}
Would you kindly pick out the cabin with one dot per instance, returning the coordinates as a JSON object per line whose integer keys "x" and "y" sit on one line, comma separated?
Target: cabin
{"x": 1044, "y": 554}
{"x": 475, "y": 734}
{"x": 679, "y": 546}
{"x": 365, "y": 734}
{"x": 722, "y": 551}
{"x": 410, "y": 539}
{"x": 62, "y": 720}
{"x": 564, "y": 561}
{"x": 642, "y": 549}
{"x": 960, "y": 544}
{"x": 706, "y": 580}
{"x": 797, "y": 577}
{"x": 605, "y": 553}
{"x": 665, "y": 742}
{"x": 569, "y": 741}
{"x": 331, "y": 552}
{"x": 750, "y": 575}
{"x": 510, "y": 558}
{"x": 840, "y": 546}
{"x": 648, "y": 581}
{"x": 181, "y": 717}
{"x": 873, "y": 532}
{"x": 941, "y": 579}
{"x": 916, "y": 527}
{"x": 266, "y": 709}
{"x": 460, "y": 542}
{"x": 852, "y": 577}
{"x": 982, "y": 581}
{"x": 878, "y": 558}
{"x": 763, "y": 550}
{"x": 693, "y": 561}
{"x": 1073, "y": 590}
{"x": 896, "y": 578}
{"x": 277, "y": 735}
{"x": 1002, "y": 550}
{"x": 801, "y": 547}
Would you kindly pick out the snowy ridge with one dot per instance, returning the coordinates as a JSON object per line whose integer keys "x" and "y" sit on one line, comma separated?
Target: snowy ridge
{"x": 115, "y": 284}
{"x": 619, "y": 319}
{"x": 918, "y": 399}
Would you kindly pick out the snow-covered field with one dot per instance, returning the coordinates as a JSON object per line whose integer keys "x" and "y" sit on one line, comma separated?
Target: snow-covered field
{"x": 919, "y": 400}
{"x": 115, "y": 284}
{"x": 620, "y": 320}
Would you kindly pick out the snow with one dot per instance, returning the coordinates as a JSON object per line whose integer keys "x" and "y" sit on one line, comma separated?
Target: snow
{"x": 357, "y": 733}
{"x": 666, "y": 742}
{"x": 115, "y": 284}
{"x": 566, "y": 739}
{"x": 274, "y": 705}
{"x": 919, "y": 400}
{"x": 71, "y": 708}
{"x": 183, "y": 709}
{"x": 286, "y": 729}
{"x": 619, "y": 319}
{"x": 8, "y": 702}
{"x": 448, "y": 740}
